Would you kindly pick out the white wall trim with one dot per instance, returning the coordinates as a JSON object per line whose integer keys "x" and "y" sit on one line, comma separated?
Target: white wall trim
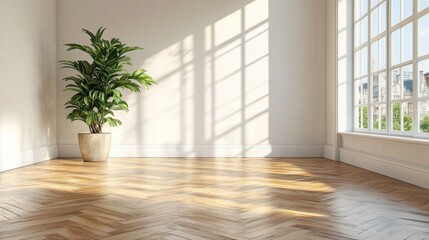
{"x": 418, "y": 175}
{"x": 202, "y": 151}
{"x": 23, "y": 158}
{"x": 388, "y": 138}
{"x": 331, "y": 152}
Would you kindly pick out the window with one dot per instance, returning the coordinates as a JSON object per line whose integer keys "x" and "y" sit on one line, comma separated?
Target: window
{"x": 391, "y": 67}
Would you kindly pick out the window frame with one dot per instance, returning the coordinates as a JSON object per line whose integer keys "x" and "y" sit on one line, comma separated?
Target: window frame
{"x": 415, "y": 60}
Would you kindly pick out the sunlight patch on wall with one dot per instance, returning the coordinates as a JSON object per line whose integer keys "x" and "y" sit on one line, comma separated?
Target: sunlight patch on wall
{"x": 256, "y": 13}
{"x": 227, "y": 28}
{"x": 174, "y": 68}
{"x": 227, "y": 60}
{"x": 257, "y": 85}
{"x": 237, "y": 77}
{"x": 213, "y": 85}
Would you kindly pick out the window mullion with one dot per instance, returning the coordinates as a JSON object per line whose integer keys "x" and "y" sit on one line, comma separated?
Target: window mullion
{"x": 370, "y": 104}
{"x": 389, "y": 116}
{"x": 416, "y": 89}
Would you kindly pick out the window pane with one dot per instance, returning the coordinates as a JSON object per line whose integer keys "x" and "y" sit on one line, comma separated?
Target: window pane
{"x": 364, "y": 30}
{"x": 402, "y": 116}
{"x": 375, "y": 117}
{"x": 396, "y": 47}
{"x": 361, "y": 8}
{"x": 383, "y": 18}
{"x": 358, "y": 92}
{"x": 396, "y": 118}
{"x": 364, "y": 7}
{"x": 423, "y": 35}
{"x": 395, "y": 12}
{"x": 358, "y": 63}
{"x": 396, "y": 84}
{"x": 362, "y": 115}
{"x": 424, "y": 77}
{"x": 401, "y": 10}
{"x": 364, "y": 61}
{"x": 373, "y": 3}
{"x": 407, "y": 8}
{"x": 423, "y": 4}
{"x": 424, "y": 116}
{"x": 407, "y": 116}
{"x": 378, "y": 20}
{"x": 407, "y": 42}
{"x": 379, "y": 117}
{"x": 375, "y": 88}
{"x": 382, "y": 50}
{"x": 374, "y": 22}
{"x": 361, "y": 32}
{"x": 374, "y": 57}
{"x": 364, "y": 90}
{"x": 383, "y": 116}
{"x": 382, "y": 81}
{"x": 357, "y": 33}
{"x": 407, "y": 74}
{"x": 379, "y": 87}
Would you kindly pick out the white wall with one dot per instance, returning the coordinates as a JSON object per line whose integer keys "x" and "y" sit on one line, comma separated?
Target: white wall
{"x": 28, "y": 79}
{"x": 236, "y": 78}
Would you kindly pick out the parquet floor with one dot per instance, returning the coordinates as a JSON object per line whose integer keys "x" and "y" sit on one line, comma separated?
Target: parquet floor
{"x": 208, "y": 198}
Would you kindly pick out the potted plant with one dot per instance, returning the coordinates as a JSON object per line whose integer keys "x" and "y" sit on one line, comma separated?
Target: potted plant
{"x": 98, "y": 87}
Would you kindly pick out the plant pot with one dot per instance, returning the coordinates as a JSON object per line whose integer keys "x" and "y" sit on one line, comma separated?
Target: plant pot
{"x": 94, "y": 147}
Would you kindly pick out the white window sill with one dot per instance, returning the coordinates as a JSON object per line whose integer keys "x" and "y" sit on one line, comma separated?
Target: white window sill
{"x": 399, "y": 139}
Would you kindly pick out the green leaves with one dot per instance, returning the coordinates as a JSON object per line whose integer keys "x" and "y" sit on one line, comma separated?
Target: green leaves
{"x": 113, "y": 122}
{"x": 98, "y": 83}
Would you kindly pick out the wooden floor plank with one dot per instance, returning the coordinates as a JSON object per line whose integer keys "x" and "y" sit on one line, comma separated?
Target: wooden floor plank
{"x": 208, "y": 198}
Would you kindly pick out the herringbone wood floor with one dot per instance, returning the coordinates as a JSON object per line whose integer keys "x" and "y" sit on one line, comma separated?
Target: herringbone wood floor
{"x": 208, "y": 198}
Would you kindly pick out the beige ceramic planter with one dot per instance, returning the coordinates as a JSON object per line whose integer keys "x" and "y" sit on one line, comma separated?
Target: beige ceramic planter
{"x": 94, "y": 147}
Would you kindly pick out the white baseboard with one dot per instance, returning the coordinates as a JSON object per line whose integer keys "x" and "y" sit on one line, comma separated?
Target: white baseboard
{"x": 417, "y": 175}
{"x": 202, "y": 151}
{"x": 23, "y": 158}
{"x": 331, "y": 152}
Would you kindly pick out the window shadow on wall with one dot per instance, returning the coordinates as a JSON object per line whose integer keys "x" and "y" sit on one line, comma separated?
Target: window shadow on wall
{"x": 213, "y": 92}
